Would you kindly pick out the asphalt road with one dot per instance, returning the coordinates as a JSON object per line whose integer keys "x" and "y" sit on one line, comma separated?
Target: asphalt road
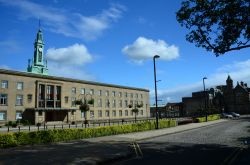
{"x": 223, "y": 143}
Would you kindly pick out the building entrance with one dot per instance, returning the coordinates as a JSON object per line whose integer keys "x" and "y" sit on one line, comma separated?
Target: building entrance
{"x": 54, "y": 115}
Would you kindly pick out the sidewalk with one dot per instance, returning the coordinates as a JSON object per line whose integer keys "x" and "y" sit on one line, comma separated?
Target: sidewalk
{"x": 130, "y": 137}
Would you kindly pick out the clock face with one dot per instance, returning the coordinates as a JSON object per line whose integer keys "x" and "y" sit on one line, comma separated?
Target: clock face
{"x": 40, "y": 49}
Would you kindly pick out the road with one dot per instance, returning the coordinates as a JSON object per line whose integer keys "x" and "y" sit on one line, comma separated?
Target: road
{"x": 223, "y": 143}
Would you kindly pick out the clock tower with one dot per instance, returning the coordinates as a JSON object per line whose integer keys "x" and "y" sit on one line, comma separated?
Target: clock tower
{"x": 37, "y": 66}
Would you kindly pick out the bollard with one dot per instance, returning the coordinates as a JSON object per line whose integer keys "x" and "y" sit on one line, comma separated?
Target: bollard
{"x": 62, "y": 126}
{"x": 38, "y": 127}
{"x": 8, "y": 129}
{"x": 29, "y": 128}
{"x": 18, "y": 128}
{"x": 85, "y": 125}
{"x": 54, "y": 126}
{"x": 76, "y": 125}
{"x": 69, "y": 125}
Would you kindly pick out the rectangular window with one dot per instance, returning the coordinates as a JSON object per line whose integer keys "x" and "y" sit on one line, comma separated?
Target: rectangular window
{"x": 73, "y": 90}
{"x": 107, "y": 113}
{"x": 131, "y": 113}
{"x": 126, "y": 103}
{"x": 82, "y": 91}
{"x": 40, "y": 113}
{"x": 91, "y": 91}
{"x": 136, "y": 95}
{"x": 99, "y": 103}
{"x": 29, "y": 97}
{"x": 100, "y": 93}
{"x": 120, "y": 94}
{"x": 3, "y": 99}
{"x": 18, "y": 115}
{"x": 126, "y": 94}
{"x": 120, "y": 103}
{"x": 141, "y": 96}
{"x": 113, "y": 93}
{"x": 73, "y": 102}
{"x": 2, "y": 116}
{"x": 4, "y": 84}
{"x": 19, "y": 100}
{"x": 82, "y": 114}
{"x": 113, "y": 103}
{"x": 120, "y": 112}
{"x": 131, "y": 95}
{"x": 107, "y": 93}
{"x": 66, "y": 99}
{"x": 142, "y": 112}
{"x": 99, "y": 113}
{"x": 92, "y": 115}
{"x": 107, "y": 103}
{"x": 19, "y": 86}
{"x": 126, "y": 112}
{"x": 113, "y": 113}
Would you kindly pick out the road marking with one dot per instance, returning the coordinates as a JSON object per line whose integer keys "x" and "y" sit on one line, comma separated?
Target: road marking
{"x": 232, "y": 157}
{"x": 137, "y": 149}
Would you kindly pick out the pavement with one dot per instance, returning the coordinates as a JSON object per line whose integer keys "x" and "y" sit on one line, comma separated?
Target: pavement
{"x": 101, "y": 150}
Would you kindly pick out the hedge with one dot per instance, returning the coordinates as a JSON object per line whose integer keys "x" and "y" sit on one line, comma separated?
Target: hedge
{"x": 57, "y": 135}
{"x": 209, "y": 118}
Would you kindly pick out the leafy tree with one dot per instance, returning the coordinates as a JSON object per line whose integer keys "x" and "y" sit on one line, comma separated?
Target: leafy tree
{"x": 84, "y": 107}
{"x": 219, "y": 26}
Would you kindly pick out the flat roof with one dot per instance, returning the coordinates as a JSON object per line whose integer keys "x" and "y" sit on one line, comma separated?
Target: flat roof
{"x": 27, "y": 74}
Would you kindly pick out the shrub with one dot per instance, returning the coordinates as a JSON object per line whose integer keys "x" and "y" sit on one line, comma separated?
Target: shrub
{"x": 56, "y": 135}
{"x": 209, "y": 118}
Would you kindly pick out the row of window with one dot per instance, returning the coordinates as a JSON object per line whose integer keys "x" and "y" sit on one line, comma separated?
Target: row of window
{"x": 3, "y": 115}
{"x": 100, "y": 93}
{"x": 5, "y": 84}
{"x": 19, "y": 99}
{"x": 114, "y": 113}
{"x": 107, "y": 102}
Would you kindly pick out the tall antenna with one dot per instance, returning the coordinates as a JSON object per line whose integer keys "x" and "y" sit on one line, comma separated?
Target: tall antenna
{"x": 39, "y": 23}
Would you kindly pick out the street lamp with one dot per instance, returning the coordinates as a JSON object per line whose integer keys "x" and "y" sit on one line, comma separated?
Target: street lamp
{"x": 156, "y": 106}
{"x": 205, "y": 101}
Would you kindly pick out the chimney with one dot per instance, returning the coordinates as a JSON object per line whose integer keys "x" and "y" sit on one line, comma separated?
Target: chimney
{"x": 245, "y": 84}
{"x": 241, "y": 83}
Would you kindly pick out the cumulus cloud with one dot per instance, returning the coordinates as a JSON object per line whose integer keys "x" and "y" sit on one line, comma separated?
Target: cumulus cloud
{"x": 143, "y": 49}
{"x": 68, "y": 60}
{"x": 239, "y": 71}
{"x": 67, "y": 22}
{"x": 76, "y": 54}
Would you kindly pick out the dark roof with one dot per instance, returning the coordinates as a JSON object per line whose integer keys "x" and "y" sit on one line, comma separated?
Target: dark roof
{"x": 26, "y": 74}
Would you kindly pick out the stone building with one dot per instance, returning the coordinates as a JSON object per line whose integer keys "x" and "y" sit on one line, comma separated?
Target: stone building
{"x": 38, "y": 97}
{"x": 222, "y": 98}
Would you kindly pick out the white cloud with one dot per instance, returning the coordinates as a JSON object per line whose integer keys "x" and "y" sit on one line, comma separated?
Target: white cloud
{"x": 5, "y": 67}
{"x": 143, "y": 49}
{"x": 69, "y": 62}
{"x": 67, "y": 22}
{"x": 238, "y": 71}
{"x": 76, "y": 54}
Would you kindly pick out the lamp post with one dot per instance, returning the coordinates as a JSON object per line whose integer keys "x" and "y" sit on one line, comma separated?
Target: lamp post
{"x": 156, "y": 106}
{"x": 205, "y": 99}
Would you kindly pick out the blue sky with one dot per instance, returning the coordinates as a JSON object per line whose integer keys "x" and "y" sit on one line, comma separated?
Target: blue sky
{"x": 113, "y": 42}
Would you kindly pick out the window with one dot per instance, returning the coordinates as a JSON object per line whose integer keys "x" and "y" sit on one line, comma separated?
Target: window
{"x": 107, "y": 103}
{"x": 92, "y": 115}
{"x": 126, "y": 112}
{"x": 73, "y": 102}
{"x": 19, "y": 100}
{"x": 136, "y": 95}
{"x": 131, "y": 95}
{"x": 82, "y": 91}
{"x": 107, "y": 113}
{"x": 40, "y": 113}
{"x": 99, "y": 103}
{"x": 131, "y": 113}
{"x": 126, "y": 94}
{"x": 100, "y": 93}
{"x": 83, "y": 114}
{"x": 2, "y": 116}
{"x": 107, "y": 93}
{"x": 120, "y": 112}
{"x": 126, "y": 103}
{"x": 4, "y": 84}
{"x": 19, "y": 86}
{"x": 120, "y": 94}
{"x": 114, "y": 113}
{"x": 141, "y": 96}
{"x": 29, "y": 96}
{"x": 131, "y": 102}
{"x": 113, "y": 93}
{"x": 120, "y": 103}
{"x": 99, "y": 113}
{"x": 113, "y": 103}
{"x": 3, "y": 99}
{"x": 73, "y": 90}
{"x": 142, "y": 112}
{"x": 91, "y": 91}
{"x": 18, "y": 115}
{"x": 66, "y": 99}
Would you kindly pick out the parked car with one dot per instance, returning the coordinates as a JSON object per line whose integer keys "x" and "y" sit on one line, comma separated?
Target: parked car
{"x": 235, "y": 115}
{"x": 226, "y": 115}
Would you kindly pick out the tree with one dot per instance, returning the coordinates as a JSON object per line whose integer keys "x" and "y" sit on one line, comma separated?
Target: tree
{"x": 219, "y": 26}
{"x": 84, "y": 107}
{"x": 135, "y": 110}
